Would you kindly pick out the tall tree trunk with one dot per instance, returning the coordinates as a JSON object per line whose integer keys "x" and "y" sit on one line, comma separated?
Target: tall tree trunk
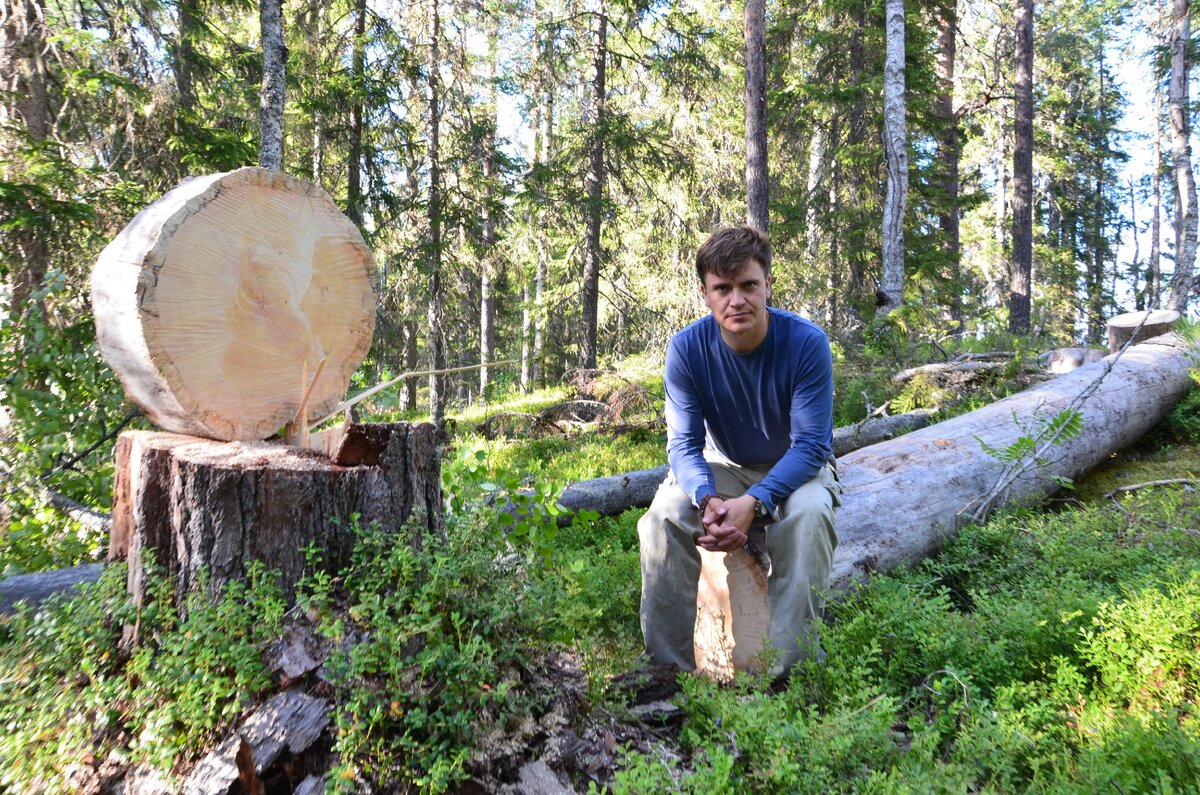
{"x": 949, "y": 151}
{"x": 1097, "y": 244}
{"x": 757, "y": 182}
{"x": 437, "y": 353}
{"x": 358, "y": 88}
{"x": 818, "y": 178}
{"x": 895, "y": 144}
{"x": 1021, "y": 269}
{"x": 185, "y": 53}
{"x": 25, "y": 104}
{"x": 274, "y": 79}
{"x": 526, "y": 337}
{"x": 487, "y": 301}
{"x": 1155, "y": 277}
{"x": 595, "y": 191}
{"x": 1181, "y": 146}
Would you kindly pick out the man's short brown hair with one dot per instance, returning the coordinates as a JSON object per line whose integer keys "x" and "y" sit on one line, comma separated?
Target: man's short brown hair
{"x": 727, "y": 250}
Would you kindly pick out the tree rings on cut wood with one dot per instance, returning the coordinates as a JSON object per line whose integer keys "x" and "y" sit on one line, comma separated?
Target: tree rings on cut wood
{"x": 218, "y": 303}
{"x": 1121, "y": 327}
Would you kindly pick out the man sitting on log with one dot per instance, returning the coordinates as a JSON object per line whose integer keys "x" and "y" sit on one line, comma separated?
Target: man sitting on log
{"x": 756, "y": 384}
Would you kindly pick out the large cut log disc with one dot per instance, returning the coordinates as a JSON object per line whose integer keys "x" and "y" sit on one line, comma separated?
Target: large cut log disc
{"x": 217, "y": 303}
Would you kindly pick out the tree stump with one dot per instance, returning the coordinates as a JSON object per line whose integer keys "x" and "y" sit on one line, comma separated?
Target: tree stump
{"x": 733, "y": 617}
{"x": 217, "y": 305}
{"x": 1121, "y": 327}
{"x": 202, "y": 504}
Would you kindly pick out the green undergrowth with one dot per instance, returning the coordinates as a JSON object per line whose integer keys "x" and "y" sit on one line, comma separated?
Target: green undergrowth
{"x": 1041, "y": 652}
{"x": 74, "y": 692}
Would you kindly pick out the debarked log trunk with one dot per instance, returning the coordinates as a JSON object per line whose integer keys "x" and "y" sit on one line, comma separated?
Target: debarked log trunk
{"x": 906, "y": 497}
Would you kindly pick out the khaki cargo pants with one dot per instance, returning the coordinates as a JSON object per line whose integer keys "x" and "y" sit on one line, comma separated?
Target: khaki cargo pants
{"x": 800, "y": 545}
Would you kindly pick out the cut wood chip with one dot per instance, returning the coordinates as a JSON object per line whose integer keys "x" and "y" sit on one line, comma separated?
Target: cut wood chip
{"x": 289, "y": 721}
{"x": 217, "y": 300}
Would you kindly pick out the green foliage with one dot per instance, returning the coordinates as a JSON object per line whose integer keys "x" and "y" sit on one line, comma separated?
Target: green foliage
{"x": 921, "y": 391}
{"x": 1044, "y": 432}
{"x": 196, "y": 671}
{"x": 63, "y": 401}
{"x": 1182, "y": 424}
{"x": 1039, "y": 653}
{"x": 432, "y": 642}
{"x": 72, "y": 692}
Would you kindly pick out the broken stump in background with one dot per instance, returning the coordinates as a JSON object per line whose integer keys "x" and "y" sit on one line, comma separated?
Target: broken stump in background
{"x": 217, "y": 506}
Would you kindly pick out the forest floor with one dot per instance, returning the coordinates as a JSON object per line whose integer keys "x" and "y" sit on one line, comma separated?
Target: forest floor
{"x": 1049, "y": 650}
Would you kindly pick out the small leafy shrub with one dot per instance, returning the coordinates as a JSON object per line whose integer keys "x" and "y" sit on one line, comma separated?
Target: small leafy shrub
{"x": 432, "y": 641}
{"x": 72, "y": 694}
{"x": 1182, "y": 424}
{"x": 196, "y": 672}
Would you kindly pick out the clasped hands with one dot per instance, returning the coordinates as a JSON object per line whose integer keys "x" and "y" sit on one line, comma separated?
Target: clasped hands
{"x": 726, "y": 523}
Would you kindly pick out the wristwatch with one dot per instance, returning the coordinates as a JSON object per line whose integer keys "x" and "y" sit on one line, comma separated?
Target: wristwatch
{"x": 760, "y": 509}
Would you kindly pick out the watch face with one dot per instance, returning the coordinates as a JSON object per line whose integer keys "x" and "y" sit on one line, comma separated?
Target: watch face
{"x": 760, "y": 508}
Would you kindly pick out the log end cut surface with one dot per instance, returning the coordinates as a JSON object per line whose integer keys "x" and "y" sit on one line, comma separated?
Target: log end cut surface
{"x": 218, "y": 303}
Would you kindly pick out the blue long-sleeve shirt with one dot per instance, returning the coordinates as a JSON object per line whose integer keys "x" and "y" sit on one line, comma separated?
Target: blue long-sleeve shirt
{"x": 772, "y": 407}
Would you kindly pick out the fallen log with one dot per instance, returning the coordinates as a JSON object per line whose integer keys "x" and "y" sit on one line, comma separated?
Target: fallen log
{"x": 34, "y": 588}
{"x": 905, "y": 497}
{"x": 937, "y": 368}
{"x": 615, "y": 494}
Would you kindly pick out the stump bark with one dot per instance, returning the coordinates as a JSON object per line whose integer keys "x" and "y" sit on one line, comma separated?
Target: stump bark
{"x": 220, "y": 303}
{"x": 201, "y": 504}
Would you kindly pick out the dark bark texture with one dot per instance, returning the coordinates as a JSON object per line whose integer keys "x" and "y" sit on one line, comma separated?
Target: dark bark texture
{"x": 1021, "y": 268}
{"x": 201, "y": 504}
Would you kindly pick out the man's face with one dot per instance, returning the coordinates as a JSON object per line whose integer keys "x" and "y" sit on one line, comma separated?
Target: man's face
{"x": 739, "y": 304}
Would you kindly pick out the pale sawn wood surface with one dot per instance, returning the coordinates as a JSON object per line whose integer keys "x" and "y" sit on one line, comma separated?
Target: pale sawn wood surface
{"x": 218, "y": 300}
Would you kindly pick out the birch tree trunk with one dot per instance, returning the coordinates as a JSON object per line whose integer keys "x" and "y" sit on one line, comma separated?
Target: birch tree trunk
{"x": 270, "y": 108}
{"x": 757, "y": 175}
{"x": 1181, "y": 147}
{"x": 590, "y": 292}
{"x": 895, "y": 142}
{"x": 1021, "y": 269}
{"x": 1155, "y": 276}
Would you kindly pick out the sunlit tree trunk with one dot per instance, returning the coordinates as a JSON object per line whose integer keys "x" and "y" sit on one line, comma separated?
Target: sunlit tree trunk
{"x": 1155, "y": 276}
{"x": 595, "y": 191}
{"x": 895, "y": 144}
{"x": 271, "y": 98}
{"x": 1181, "y": 146}
{"x": 1021, "y": 269}
{"x": 757, "y": 175}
